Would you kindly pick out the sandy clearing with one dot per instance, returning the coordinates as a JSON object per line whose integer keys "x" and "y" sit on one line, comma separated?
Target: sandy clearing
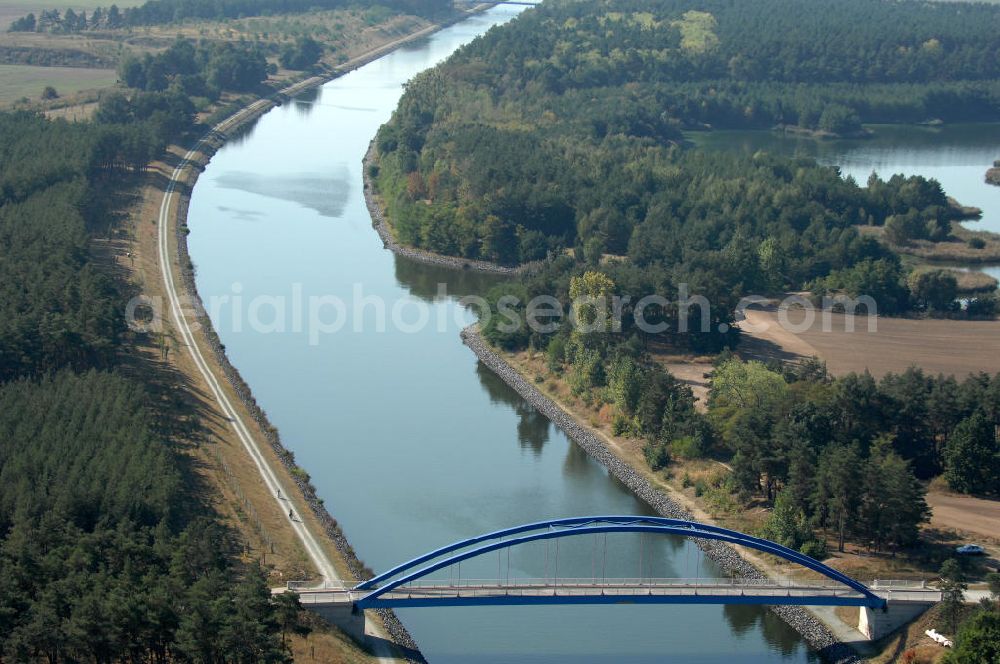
{"x": 966, "y": 513}
{"x": 950, "y": 347}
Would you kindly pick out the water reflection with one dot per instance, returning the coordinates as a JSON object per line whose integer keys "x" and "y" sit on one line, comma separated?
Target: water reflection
{"x": 576, "y": 460}
{"x": 973, "y": 144}
{"x": 304, "y": 102}
{"x": 532, "y": 426}
{"x": 242, "y": 133}
{"x": 744, "y": 619}
{"x": 423, "y": 280}
{"x": 325, "y": 193}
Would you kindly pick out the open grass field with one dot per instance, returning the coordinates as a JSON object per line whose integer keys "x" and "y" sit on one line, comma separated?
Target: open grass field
{"x": 17, "y": 81}
{"x": 951, "y": 347}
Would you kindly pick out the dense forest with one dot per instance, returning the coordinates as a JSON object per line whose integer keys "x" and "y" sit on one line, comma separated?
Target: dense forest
{"x": 558, "y": 139}
{"x": 106, "y": 551}
{"x": 563, "y": 130}
{"x": 103, "y": 556}
{"x": 159, "y": 12}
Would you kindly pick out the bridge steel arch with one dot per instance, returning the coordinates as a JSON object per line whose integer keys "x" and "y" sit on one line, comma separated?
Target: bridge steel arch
{"x": 413, "y": 570}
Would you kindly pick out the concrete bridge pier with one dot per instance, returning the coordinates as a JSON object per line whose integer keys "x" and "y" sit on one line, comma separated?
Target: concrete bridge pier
{"x": 876, "y": 623}
{"x": 346, "y": 616}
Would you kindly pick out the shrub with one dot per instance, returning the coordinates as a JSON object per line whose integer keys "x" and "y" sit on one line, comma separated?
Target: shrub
{"x": 656, "y": 455}
{"x": 688, "y": 447}
{"x": 620, "y": 424}
{"x": 814, "y": 549}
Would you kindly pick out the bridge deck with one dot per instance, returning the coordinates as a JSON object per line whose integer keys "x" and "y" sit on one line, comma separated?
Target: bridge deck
{"x": 468, "y": 593}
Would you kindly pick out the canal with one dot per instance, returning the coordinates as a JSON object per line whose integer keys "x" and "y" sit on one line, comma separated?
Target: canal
{"x": 355, "y": 355}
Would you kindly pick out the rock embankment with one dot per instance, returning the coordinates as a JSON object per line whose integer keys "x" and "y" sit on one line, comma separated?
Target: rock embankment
{"x": 993, "y": 175}
{"x": 452, "y": 262}
{"x": 811, "y": 629}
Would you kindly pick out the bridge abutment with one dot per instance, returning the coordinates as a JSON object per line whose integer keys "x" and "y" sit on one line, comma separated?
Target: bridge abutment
{"x": 347, "y": 617}
{"x": 877, "y": 623}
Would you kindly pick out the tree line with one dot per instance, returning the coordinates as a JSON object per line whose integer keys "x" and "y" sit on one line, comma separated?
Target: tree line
{"x": 202, "y": 69}
{"x": 159, "y": 12}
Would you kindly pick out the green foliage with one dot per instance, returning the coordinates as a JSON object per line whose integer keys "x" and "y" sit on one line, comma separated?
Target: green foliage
{"x": 106, "y": 554}
{"x": 574, "y": 144}
{"x": 838, "y": 494}
{"x": 624, "y": 384}
{"x": 839, "y": 119}
{"x": 935, "y": 290}
{"x": 198, "y": 69}
{"x": 892, "y": 504}
{"x": 688, "y": 447}
{"x": 993, "y": 582}
{"x": 744, "y": 385}
{"x": 159, "y": 12}
{"x": 555, "y": 353}
{"x": 978, "y": 641}
{"x": 953, "y": 587}
{"x": 787, "y": 523}
{"x": 103, "y": 555}
{"x": 303, "y": 54}
{"x": 586, "y": 370}
{"x": 656, "y": 454}
{"x": 880, "y": 279}
{"x": 56, "y": 309}
{"x": 814, "y": 549}
{"x": 507, "y": 326}
{"x": 24, "y": 24}
{"x": 972, "y": 455}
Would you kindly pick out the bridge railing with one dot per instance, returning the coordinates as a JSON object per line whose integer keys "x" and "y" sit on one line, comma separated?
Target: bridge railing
{"x": 592, "y": 582}
{"x": 898, "y": 584}
{"x": 468, "y": 592}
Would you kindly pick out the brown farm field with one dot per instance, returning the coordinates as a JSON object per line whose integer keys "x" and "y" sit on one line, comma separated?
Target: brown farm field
{"x": 950, "y": 347}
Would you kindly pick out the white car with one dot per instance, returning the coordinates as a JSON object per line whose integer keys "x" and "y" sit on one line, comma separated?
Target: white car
{"x": 970, "y": 550}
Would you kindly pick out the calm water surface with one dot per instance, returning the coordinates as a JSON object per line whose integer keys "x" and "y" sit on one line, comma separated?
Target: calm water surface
{"x": 411, "y": 443}
{"x": 957, "y": 156}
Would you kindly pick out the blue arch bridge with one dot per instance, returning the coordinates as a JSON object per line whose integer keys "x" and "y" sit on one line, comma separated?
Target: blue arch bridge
{"x": 411, "y": 584}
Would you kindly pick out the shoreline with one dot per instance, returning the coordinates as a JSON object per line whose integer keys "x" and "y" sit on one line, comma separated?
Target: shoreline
{"x": 381, "y": 225}
{"x": 297, "y": 475}
{"x": 812, "y": 630}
